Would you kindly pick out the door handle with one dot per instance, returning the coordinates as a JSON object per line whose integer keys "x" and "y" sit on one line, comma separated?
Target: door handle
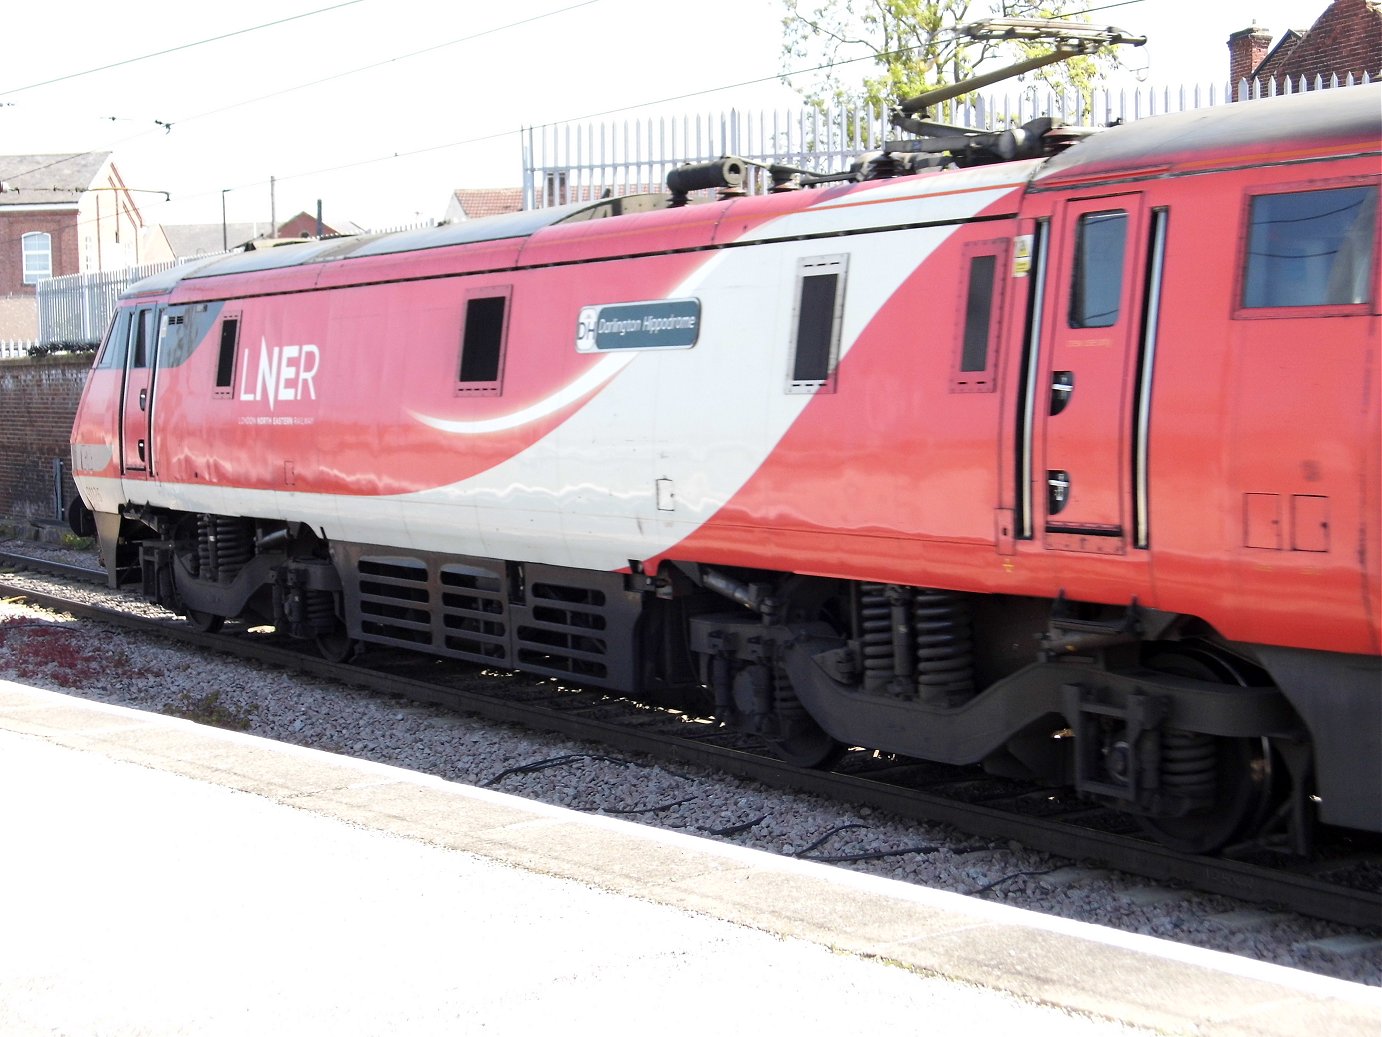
{"x": 143, "y": 399}
{"x": 141, "y": 450}
{"x": 1057, "y": 491}
{"x": 1062, "y": 387}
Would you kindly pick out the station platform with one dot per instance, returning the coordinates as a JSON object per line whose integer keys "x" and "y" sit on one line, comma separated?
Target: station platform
{"x": 163, "y": 878}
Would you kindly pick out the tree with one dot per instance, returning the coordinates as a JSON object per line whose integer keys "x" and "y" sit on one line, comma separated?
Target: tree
{"x": 912, "y": 46}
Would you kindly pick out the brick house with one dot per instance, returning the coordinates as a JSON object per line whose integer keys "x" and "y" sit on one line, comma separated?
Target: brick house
{"x": 1346, "y": 39}
{"x": 59, "y": 214}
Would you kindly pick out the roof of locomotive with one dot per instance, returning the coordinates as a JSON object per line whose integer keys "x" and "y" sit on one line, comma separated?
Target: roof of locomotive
{"x": 490, "y": 228}
{"x": 1247, "y": 132}
{"x": 1194, "y": 141}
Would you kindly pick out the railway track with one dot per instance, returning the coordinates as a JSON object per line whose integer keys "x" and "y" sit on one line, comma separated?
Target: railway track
{"x": 1338, "y": 883}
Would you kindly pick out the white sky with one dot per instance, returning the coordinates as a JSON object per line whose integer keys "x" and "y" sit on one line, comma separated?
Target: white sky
{"x": 387, "y": 145}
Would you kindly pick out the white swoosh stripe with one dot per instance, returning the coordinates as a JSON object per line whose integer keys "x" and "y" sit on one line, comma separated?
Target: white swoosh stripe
{"x": 592, "y": 379}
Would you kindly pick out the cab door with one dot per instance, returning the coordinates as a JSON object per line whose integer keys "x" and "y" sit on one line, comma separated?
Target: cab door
{"x": 136, "y": 423}
{"x": 1086, "y": 391}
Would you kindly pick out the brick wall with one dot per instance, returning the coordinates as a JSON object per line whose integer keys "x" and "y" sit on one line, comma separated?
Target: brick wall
{"x": 60, "y": 226}
{"x": 1246, "y": 49}
{"x": 38, "y": 400}
{"x": 1346, "y": 38}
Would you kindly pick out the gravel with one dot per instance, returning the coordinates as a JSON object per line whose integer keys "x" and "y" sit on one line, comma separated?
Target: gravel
{"x": 93, "y": 661}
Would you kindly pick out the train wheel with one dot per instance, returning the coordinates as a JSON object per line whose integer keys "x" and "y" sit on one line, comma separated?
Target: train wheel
{"x": 337, "y": 646}
{"x": 811, "y": 747}
{"x": 1234, "y": 775}
{"x": 1240, "y": 770}
{"x": 206, "y": 622}
{"x": 807, "y": 600}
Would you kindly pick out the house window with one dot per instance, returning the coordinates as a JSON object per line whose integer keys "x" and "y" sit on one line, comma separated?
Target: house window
{"x": 38, "y": 257}
{"x": 554, "y": 188}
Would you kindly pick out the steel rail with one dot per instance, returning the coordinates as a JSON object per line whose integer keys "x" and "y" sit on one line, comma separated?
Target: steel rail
{"x": 1303, "y": 893}
{"x": 37, "y": 563}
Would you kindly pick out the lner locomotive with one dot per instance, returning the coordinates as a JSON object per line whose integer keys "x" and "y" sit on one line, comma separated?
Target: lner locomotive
{"x": 1066, "y": 465}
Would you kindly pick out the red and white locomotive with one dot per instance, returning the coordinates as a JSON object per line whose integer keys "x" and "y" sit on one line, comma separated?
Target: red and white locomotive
{"x": 1070, "y": 466}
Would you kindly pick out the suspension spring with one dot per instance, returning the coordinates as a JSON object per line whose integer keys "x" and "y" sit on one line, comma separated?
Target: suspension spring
{"x": 234, "y": 547}
{"x": 944, "y": 646}
{"x": 206, "y": 562}
{"x": 321, "y": 610}
{"x": 786, "y": 705}
{"x": 1189, "y": 764}
{"x": 875, "y": 636}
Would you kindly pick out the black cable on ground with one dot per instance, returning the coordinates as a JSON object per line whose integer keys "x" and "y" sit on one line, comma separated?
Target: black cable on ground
{"x": 828, "y": 835}
{"x": 1008, "y": 878}
{"x": 872, "y": 855}
{"x": 556, "y": 761}
{"x": 735, "y": 829}
{"x": 640, "y": 810}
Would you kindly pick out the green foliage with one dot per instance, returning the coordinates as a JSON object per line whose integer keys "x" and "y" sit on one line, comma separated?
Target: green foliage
{"x": 50, "y": 348}
{"x": 883, "y": 51}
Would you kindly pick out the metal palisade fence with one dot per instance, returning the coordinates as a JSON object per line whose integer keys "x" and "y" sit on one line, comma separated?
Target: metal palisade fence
{"x": 11, "y": 348}
{"x": 575, "y": 163}
{"x": 76, "y": 308}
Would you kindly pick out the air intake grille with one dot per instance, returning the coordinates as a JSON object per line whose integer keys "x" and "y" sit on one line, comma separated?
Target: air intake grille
{"x": 546, "y": 619}
{"x": 564, "y": 631}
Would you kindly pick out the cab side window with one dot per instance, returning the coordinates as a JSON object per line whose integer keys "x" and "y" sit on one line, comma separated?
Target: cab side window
{"x": 142, "y": 339}
{"x": 1100, "y": 241}
{"x": 113, "y": 350}
{"x": 1310, "y": 248}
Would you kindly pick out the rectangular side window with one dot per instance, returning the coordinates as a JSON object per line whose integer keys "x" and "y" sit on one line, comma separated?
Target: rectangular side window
{"x": 819, "y": 313}
{"x": 481, "y": 369}
{"x": 225, "y": 358}
{"x": 974, "y": 353}
{"x": 1097, "y": 286}
{"x": 1310, "y": 248}
{"x": 142, "y": 339}
{"x": 980, "y": 309}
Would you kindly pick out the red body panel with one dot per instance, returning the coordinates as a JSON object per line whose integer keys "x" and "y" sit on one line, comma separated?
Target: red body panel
{"x": 1261, "y": 493}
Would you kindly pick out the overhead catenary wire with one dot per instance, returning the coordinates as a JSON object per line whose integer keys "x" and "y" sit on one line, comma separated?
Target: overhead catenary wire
{"x": 622, "y": 109}
{"x": 180, "y": 47}
{"x": 507, "y": 133}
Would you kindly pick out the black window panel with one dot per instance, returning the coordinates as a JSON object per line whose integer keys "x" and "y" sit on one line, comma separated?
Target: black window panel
{"x": 815, "y": 327}
{"x": 225, "y": 360}
{"x": 1311, "y": 248}
{"x": 978, "y": 314}
{"x": 483, "y": 344}
{"x": 143, "y": 339}
{"x": 1097, "y": 287}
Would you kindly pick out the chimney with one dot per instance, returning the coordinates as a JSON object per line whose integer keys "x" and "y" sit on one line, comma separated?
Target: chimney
{"x": 1246, "y": 50}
